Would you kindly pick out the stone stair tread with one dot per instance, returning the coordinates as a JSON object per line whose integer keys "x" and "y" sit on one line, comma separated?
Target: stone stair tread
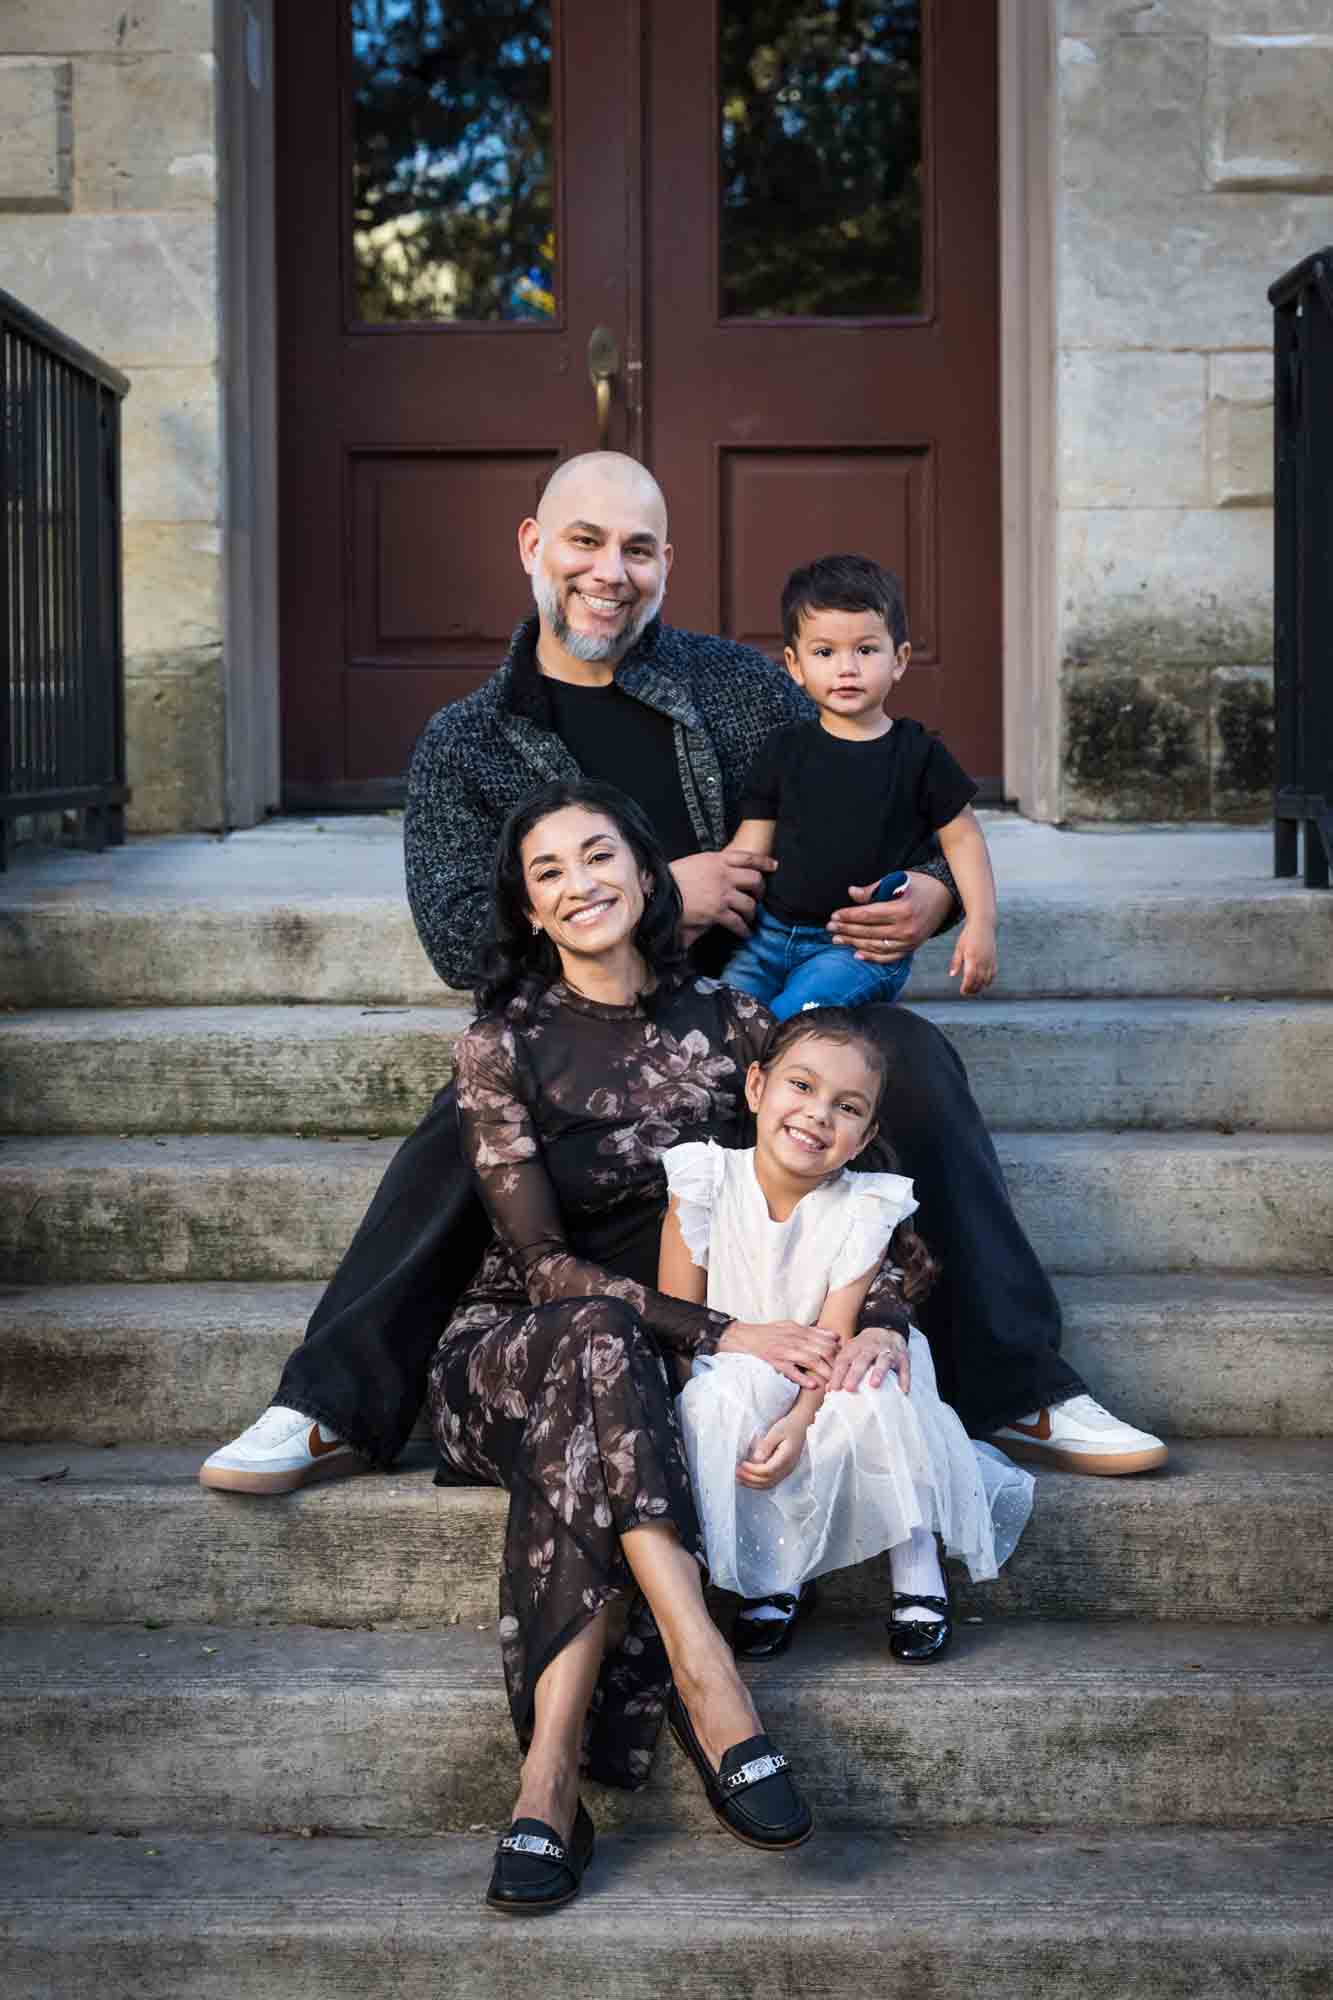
{"x": 285, "y": 913}
{"x": 308, "y": 1664}
{"x": 1160, "y": 1915}
{"x": 1173, "y": 1352}
{"x": 220, "y": 1206}
{"x": 209, "y": 1726}
{"x": 396, "y": 1549}
{"x": 1143, "y": 1063}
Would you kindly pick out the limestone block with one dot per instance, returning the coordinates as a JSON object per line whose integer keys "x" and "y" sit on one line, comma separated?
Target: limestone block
{"x": 1269, "y": 112}
{"x": 1241, "y": 742}
{"x": 173, "y": 587}
{"x": 1144, "y": 270}
{"x": 172, "y": 446}
{"x": 1131, "y": 428}
{"x": 144, "y": 133}
{"x": 1240, "y": 430}
{"x": 137, "y": 289}
{"x": 1136, "y": 743}
{"x": 174, "y": 741}
{"x": 1193, "y": 586}
{"x": 1129, "y": 113}
{"x": 34, "y": 135}
{"x": 1191, "y": 17}
{"x": 105, "y": 27}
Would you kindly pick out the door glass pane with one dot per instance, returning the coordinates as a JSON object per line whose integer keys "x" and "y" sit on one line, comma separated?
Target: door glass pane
{"x": 452, "y": 216}
{"x": 821, "y": 157}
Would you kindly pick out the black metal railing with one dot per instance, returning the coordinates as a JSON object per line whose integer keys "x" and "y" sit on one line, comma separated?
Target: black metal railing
{"x": 62, "y": 680}
{"x": 1303, "y": 569}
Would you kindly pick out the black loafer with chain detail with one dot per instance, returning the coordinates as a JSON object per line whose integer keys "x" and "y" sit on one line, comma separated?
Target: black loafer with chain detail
{"x": 535, "y": 1870}
{"x": 752, "y": 1795}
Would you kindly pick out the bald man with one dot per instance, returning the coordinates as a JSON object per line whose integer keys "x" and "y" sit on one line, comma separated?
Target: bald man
{"x": 596, "y": 684}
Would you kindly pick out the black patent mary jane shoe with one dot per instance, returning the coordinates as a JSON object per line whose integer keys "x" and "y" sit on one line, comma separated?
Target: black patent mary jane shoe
{"x": 764, "y": 1638}
{"x": 919, "y": 1639}
{"x": 535, "y": 1871}
{"x": 753, "y": 1795}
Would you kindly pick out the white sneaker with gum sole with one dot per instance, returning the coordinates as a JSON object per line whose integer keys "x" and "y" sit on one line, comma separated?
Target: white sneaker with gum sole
{"x": 283, "y": 1450}
{"x": 1078, "y": 1435}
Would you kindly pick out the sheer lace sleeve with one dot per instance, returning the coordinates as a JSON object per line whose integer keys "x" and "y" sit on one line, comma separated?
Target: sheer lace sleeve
{"x": 501, "y": 1143}
{"x": 884, "y": 1303}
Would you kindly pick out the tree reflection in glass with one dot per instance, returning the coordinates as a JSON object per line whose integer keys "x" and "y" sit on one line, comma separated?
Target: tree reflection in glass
{"x": 453, "y": 216}
{"x": 821, "y": 157}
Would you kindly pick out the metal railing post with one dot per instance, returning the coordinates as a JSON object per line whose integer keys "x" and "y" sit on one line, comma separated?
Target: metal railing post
{"x": 1302, "y": 301}
{"x": 62, "y": 678}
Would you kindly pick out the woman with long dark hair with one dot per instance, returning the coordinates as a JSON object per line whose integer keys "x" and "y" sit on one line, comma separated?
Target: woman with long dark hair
{"x": 597, "y": 1048}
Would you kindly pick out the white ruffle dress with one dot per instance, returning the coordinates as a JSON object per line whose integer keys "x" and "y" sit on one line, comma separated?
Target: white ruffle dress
{"x": 877, "y": 1464}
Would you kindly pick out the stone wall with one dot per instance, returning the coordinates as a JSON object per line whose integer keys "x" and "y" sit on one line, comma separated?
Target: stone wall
{"x": 1195, "y": 158}
{"x": 108, "y": 228}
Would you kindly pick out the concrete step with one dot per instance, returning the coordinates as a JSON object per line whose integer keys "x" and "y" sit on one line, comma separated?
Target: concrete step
{"x": 206, "y": 1729}
{"x": 1035, "y": 1065}
{"x": 1145, "y": 1916}
{"x": 1184, "y": 1355}
{"x": 1232, "y": 1530}
{"x": 94, "y": 1210}
{"x": 224, "y": 1069}
{"x": 291, "y": 911}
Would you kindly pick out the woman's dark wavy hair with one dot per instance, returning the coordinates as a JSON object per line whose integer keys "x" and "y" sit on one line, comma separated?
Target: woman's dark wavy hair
{"x": 512, "y": 954}
{"x": 845, "y": 1025}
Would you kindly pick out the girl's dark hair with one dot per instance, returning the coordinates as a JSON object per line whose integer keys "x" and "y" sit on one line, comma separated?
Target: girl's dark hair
{"x": 513, "y": 954}
{"x": 846, "y": 1026}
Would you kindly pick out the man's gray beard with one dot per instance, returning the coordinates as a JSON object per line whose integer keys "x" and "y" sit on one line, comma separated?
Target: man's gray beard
{"x": 586, "y": 646}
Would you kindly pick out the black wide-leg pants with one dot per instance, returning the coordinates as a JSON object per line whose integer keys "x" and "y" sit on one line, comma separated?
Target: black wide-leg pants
{"x": 992, "y": 1319}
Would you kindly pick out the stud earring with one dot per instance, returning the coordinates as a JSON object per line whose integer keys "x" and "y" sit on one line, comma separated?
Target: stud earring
{"x": 535, "y": 929}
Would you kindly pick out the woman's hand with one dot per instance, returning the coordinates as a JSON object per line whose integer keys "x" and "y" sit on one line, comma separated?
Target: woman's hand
{"x": 804, "y": 1354}
{"x": 773, "y": 1456}
{"x": 876, "y": 1351}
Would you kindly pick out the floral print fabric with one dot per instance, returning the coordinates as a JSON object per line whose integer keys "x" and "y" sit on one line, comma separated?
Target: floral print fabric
{"x": 551, "y": 1379}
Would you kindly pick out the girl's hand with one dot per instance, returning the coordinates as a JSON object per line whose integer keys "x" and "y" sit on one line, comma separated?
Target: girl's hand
{"x": 876, "y": 1351}
{"x": 804, "y": 1354}
{"x": 773, "y": 1456}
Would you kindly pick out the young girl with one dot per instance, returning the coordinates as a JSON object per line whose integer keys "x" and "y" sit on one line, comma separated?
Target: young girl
{"x": 791, "y": 1484}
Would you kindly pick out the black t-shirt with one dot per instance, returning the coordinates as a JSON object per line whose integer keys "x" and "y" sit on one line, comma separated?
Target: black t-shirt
{"x": 847, "y": 811}
{"x": 623, "y": 742}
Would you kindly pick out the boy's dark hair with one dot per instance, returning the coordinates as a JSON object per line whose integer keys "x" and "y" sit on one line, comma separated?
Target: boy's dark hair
{"x": 843, "y": 583}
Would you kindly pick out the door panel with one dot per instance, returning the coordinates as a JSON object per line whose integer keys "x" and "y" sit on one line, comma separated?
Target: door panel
{"x": 806, "y": 431}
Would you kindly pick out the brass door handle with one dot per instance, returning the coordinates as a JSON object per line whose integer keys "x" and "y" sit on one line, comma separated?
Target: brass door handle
{"x": 603, "y": 366}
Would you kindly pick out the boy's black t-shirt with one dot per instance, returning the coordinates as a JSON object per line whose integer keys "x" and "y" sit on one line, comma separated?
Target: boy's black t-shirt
{"x": 848, "y": 811}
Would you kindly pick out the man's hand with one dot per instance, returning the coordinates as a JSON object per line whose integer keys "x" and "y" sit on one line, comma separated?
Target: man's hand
{"x": 775, "y": 1455}
{"x": 881, "y": 933}
{"x": 877, "y": 1351}
{"x": 721, "y": 889}
{"x": 974, "y": 957}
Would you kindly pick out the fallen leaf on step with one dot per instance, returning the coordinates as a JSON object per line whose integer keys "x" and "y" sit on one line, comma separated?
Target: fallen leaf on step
{"x": 43, "y": 1478}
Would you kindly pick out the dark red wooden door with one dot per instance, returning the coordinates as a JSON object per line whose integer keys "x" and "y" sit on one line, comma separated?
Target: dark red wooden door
{"x": 452, "y": 226}
{"x": 785, "y": 214}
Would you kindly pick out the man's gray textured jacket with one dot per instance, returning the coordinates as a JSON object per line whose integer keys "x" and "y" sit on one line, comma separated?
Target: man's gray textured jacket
{"x": 482, "y": 756}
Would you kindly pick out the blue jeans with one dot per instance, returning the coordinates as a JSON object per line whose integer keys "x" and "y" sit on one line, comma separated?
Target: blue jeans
{"x": 793, "y": 966}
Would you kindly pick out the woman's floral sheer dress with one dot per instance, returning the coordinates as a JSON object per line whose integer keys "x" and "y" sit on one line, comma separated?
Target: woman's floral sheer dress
{"x": 551, "y": 1379}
